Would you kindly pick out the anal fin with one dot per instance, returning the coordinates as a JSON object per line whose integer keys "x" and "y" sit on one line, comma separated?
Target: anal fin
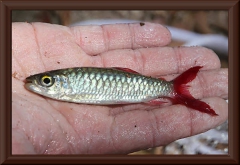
{"x": 158, "y": 101}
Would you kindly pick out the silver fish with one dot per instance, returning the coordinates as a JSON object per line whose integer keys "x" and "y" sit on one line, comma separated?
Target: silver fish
{"x": 106, "y": 86}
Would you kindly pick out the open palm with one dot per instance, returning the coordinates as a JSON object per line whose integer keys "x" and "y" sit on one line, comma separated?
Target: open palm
{"x": 45, "y": 126}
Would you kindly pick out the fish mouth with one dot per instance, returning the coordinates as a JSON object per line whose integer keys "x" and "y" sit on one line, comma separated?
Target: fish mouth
{"x": 30, "y": 84}
{"x": 28, "y": 80}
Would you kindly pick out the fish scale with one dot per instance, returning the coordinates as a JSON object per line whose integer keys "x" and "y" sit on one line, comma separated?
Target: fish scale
{"x": 111, "y": 85}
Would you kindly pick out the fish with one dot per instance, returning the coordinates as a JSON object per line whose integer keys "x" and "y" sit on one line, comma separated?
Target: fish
{"x": 115, "y": 85}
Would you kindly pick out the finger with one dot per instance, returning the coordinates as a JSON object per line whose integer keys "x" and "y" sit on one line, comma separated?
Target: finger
{"x": 136, "y": 130}
{"x": 48, "y": 47}
{"x": 25, "y": 55}
{"x": 159, "y": 61}
{"x": 40, "y": 47}
{"x": 98, "y": 39}
{"x": 210, "y": 83}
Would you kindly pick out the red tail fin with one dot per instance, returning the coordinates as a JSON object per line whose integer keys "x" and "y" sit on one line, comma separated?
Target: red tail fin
{"x": 184, "y": 97}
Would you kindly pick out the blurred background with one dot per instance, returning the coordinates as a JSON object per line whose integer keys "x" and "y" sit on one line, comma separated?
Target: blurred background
{"x": 188, "y": 28}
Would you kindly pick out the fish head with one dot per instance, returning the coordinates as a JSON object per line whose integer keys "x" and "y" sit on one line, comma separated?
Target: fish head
{"x": 47, "y": 84}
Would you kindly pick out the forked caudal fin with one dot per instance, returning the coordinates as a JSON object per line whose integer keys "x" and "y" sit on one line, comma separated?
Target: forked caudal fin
{"x": 184, "y": 97}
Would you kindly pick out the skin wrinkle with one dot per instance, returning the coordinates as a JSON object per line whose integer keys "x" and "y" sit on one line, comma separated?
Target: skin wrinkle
{"x": 117, "y": 125}
{"x": 75, "y": 36}
{"x": 201, "y": 81}
{"x": 132, "y": 35}
{"x": 93, "y": 131}
{"x": 26, "y": 135}
{"x": 139, "y": 60}
{"x": 62, "y": 127}
{"x": 46, "y": 150}
{"x": 78, "y": 137}
{"x": 178, "y": 53}
{"x": 137, "y": 45}
{"x": 178, "y": 58}
{"x": 190, "y": 123}
{"x": 21, "y": 68}
{"x": 50, "y": 137}
{"x": 138, "y": 106}
{"x": 113, "y": 122}
{"x": 222, "y": 73}
{"x": 190, "y": 118}
{"x": 155, "y": 128}
{"x": 22, "y": 96}
{"x": 71, "y": 31}
{"x": 99, "y": 60}
{"x": 57, "y": 123}
{"x": 80, "y": 41}
{"x": 76, "y": 42}
{"x": 81, "y": 59}
{"x": 29, "y": 137}
{"x": 219, "y": 83}
{"x": 90, "y": 140}
{"x": 119, "y": 109}
{"x": 36, "y": 39}
{"x": 105, "y": 38}
{"x": 86, "y": 48}
{"x": 102, "y": 61}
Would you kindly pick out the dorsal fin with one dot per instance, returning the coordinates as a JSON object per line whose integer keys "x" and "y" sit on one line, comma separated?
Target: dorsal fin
{"x": 126, "y": 70}
{"x": 161, "y": 78}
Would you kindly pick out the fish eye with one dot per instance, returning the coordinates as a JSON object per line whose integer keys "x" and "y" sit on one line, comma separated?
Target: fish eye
{"x": 47, "y": 81}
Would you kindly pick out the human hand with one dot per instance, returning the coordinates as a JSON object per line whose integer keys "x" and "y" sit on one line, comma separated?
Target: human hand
{"x": 45, "y": 126}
